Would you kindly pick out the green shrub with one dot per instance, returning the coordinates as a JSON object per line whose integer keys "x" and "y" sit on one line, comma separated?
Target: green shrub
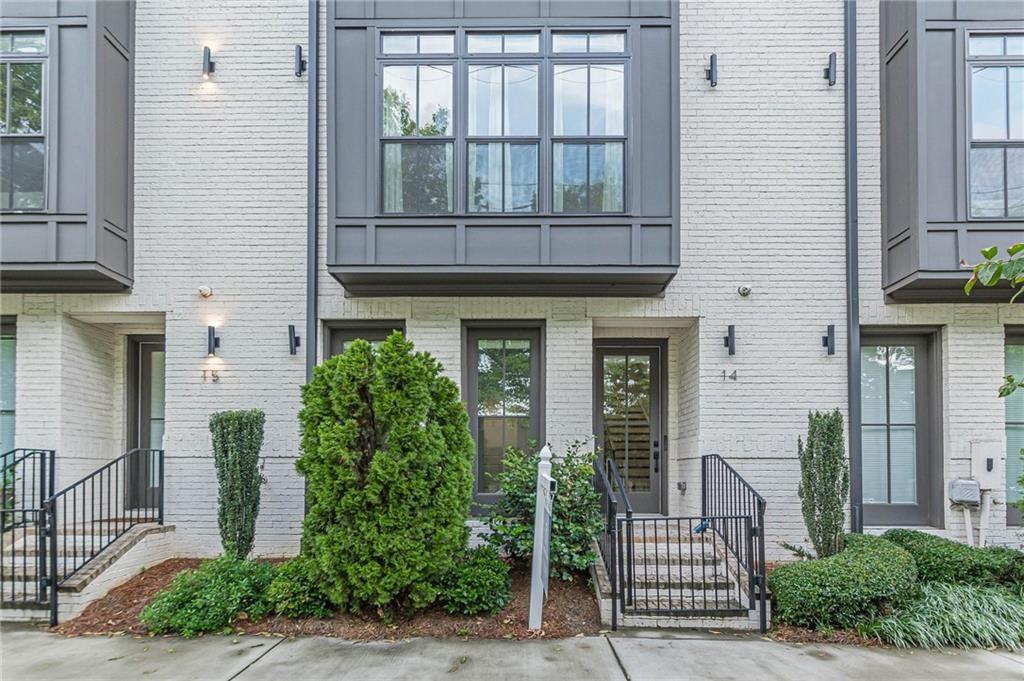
{"x": 387, "y": 455}
{"x": 824, "y": 481}
{"x": 575, "y": 516}
{"x": 867, "y": 578}
{"x": 295, "y": 590}
{"x": 237, "y": 439}
{"x": 954, "y": 615}
{"x": 943, "y": 560}
{"x": 211, "y": 597}
{"x": 479, "y": 583}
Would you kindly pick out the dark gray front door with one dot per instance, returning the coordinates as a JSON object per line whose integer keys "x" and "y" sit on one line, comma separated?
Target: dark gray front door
{"x": 628, "y": 418}
{"x": 145, "y": 419}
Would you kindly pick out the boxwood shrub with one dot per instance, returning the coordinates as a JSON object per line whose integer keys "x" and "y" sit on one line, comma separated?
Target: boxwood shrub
{"x": 869, "y": 577}
{"x": 943, "y": 560}
{"x": 479, "y": 583}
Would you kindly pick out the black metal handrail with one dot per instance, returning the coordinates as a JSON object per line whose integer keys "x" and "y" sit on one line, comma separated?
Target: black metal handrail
{"x": 608, "y": 540}
{"x": 95, "y": 511}
{"x": 726, "y": 496}
{"x": 26, "y": 479}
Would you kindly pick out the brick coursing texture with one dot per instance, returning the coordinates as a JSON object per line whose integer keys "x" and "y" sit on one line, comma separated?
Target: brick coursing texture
{"x": 220, "y": 201}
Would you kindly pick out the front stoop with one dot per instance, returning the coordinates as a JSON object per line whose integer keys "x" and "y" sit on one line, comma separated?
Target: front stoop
{"x": 747, "y": 620}
{"x": 138, "y": 548}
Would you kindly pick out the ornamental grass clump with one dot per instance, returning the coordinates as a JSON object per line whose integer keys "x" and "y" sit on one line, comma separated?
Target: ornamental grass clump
{"x": 387, "y": 456}
{"x": 959, "y": 615}
{"x": 237, "y": 439}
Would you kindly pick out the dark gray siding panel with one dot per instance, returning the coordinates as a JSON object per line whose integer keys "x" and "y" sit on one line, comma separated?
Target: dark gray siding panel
{"x": 505, "y": 8}
{"x": 654, "y": 120}
{"x": 988, "y": 10}
{"x": 940, "y": 124}
{"x": 415, "y": 245}
{"x": 73, "y": 242}
{"x": 25, "y": 241}
{"x": 116, "y": 17}
{"x": 490, "y": 245}
{"x": 350, "y": 245}
{"x": 353, "y": 78}
{"x": 655, "y": 244}
{"x": 74, "y": 152}
{"x": 591, "y": 245}
{"x": 897, "y": 19}
{"x": 112, "y": 136}
{"x": 899, "y": 144}
{"x": 590, "y": 8}
{"x": 16, "y": 9}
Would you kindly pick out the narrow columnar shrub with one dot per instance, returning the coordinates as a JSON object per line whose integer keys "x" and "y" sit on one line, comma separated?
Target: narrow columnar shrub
{"x": 295, "y": 590}
{"x": 575, "y": 516}
{"x": 479, "y": 583}
{"x": 868, "y": 578}
{"x": 237, "y": 439}
{"x": 210, "y": 597}
{"x": 387, "y": 456}
{"x": 954, "y": 615}
{"x": 824, "y": 481}
{"x": 943, "y": 560}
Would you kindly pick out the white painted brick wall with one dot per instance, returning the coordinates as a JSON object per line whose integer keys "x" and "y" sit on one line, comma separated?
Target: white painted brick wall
{"x": 220, "y": 201}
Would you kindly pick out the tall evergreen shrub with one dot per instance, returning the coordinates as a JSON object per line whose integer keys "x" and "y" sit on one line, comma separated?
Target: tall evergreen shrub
{"x": 387, "y": 455}
{"x": 824, "y": 481}
{"x": 237, "y": 439}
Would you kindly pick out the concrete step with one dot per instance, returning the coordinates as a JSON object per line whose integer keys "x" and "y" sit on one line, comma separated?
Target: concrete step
{"x": 69, "y": 544}
{"x": 679, "y": 604}
{"x": 682, "y": 582}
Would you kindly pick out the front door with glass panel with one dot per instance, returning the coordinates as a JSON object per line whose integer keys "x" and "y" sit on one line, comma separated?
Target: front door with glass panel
{"x": 628, "y": 418}
{"x": 503, "y": 393}
{"x": 895, "y": 439}
{"x": 146, "y": 419}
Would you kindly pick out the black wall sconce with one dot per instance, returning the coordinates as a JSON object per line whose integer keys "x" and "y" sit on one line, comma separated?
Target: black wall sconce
{"x": 209, "y": 66}
{"x": 212, "y": 341}
{"x": 711, "y": 72}
{"x": 829, "y": 339}
{"x": 730, "y": 340}
{"x": 294, "y": 341}
{"x": 830, "y": 70}
{"x": 301, "y": 66}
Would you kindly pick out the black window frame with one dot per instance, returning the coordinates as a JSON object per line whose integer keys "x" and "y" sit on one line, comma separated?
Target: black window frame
{"x": 1014, "y": 517}
{"x": 546, "y": 139}
{"x": 473, "y": 331}
{"x": 342, "y": 331}
{"x": 43, "y": 136}
{"x": 9, "y": 329}
{"x": 930, "y": 460}
{"x": 973, "y": 61}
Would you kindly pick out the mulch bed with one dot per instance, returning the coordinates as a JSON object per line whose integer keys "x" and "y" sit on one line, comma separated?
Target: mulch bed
{"x": 788, "y": 634}
{"x": 570, "y": 610}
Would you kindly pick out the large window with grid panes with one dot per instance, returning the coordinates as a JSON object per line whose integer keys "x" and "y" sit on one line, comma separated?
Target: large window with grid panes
{"x": 503, "y": 122}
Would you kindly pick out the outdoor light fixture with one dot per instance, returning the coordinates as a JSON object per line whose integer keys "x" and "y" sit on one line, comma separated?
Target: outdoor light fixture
{"x": 209, "y": 66}
{"x": 212, "y": 341}
{"x": 830, "y": 70}
{"x": 294, "y": 341}
{"x": 711, "y": 73}
{"x": 829, "y": 339}
{"x": 301, "y": 66}
{"x": 730, "y": 339}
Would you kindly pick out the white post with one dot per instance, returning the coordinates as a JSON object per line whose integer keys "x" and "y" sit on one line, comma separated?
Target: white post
{"x": 541, "y": 539}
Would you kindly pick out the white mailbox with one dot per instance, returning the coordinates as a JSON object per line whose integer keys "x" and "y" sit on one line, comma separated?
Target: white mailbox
{"x": 988, "y": 460}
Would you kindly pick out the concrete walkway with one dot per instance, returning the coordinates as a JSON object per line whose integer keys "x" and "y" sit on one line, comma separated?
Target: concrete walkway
{"x": 28, "y": 654}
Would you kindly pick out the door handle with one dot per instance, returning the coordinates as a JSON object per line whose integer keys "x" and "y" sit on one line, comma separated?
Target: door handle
{"x": 657, "y": 455}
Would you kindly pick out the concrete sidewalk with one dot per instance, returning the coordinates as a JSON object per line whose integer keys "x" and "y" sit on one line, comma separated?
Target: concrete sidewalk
{"x": 28, "y": 654}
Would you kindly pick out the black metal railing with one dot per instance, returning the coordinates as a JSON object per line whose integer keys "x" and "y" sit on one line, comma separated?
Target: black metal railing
{"x": 609, "y": 487}
{"x": 725, "y": 497}
{"x": 90, "y": 514}
{"x": 684, "y": 566}
{"x": 26, "y": 479}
